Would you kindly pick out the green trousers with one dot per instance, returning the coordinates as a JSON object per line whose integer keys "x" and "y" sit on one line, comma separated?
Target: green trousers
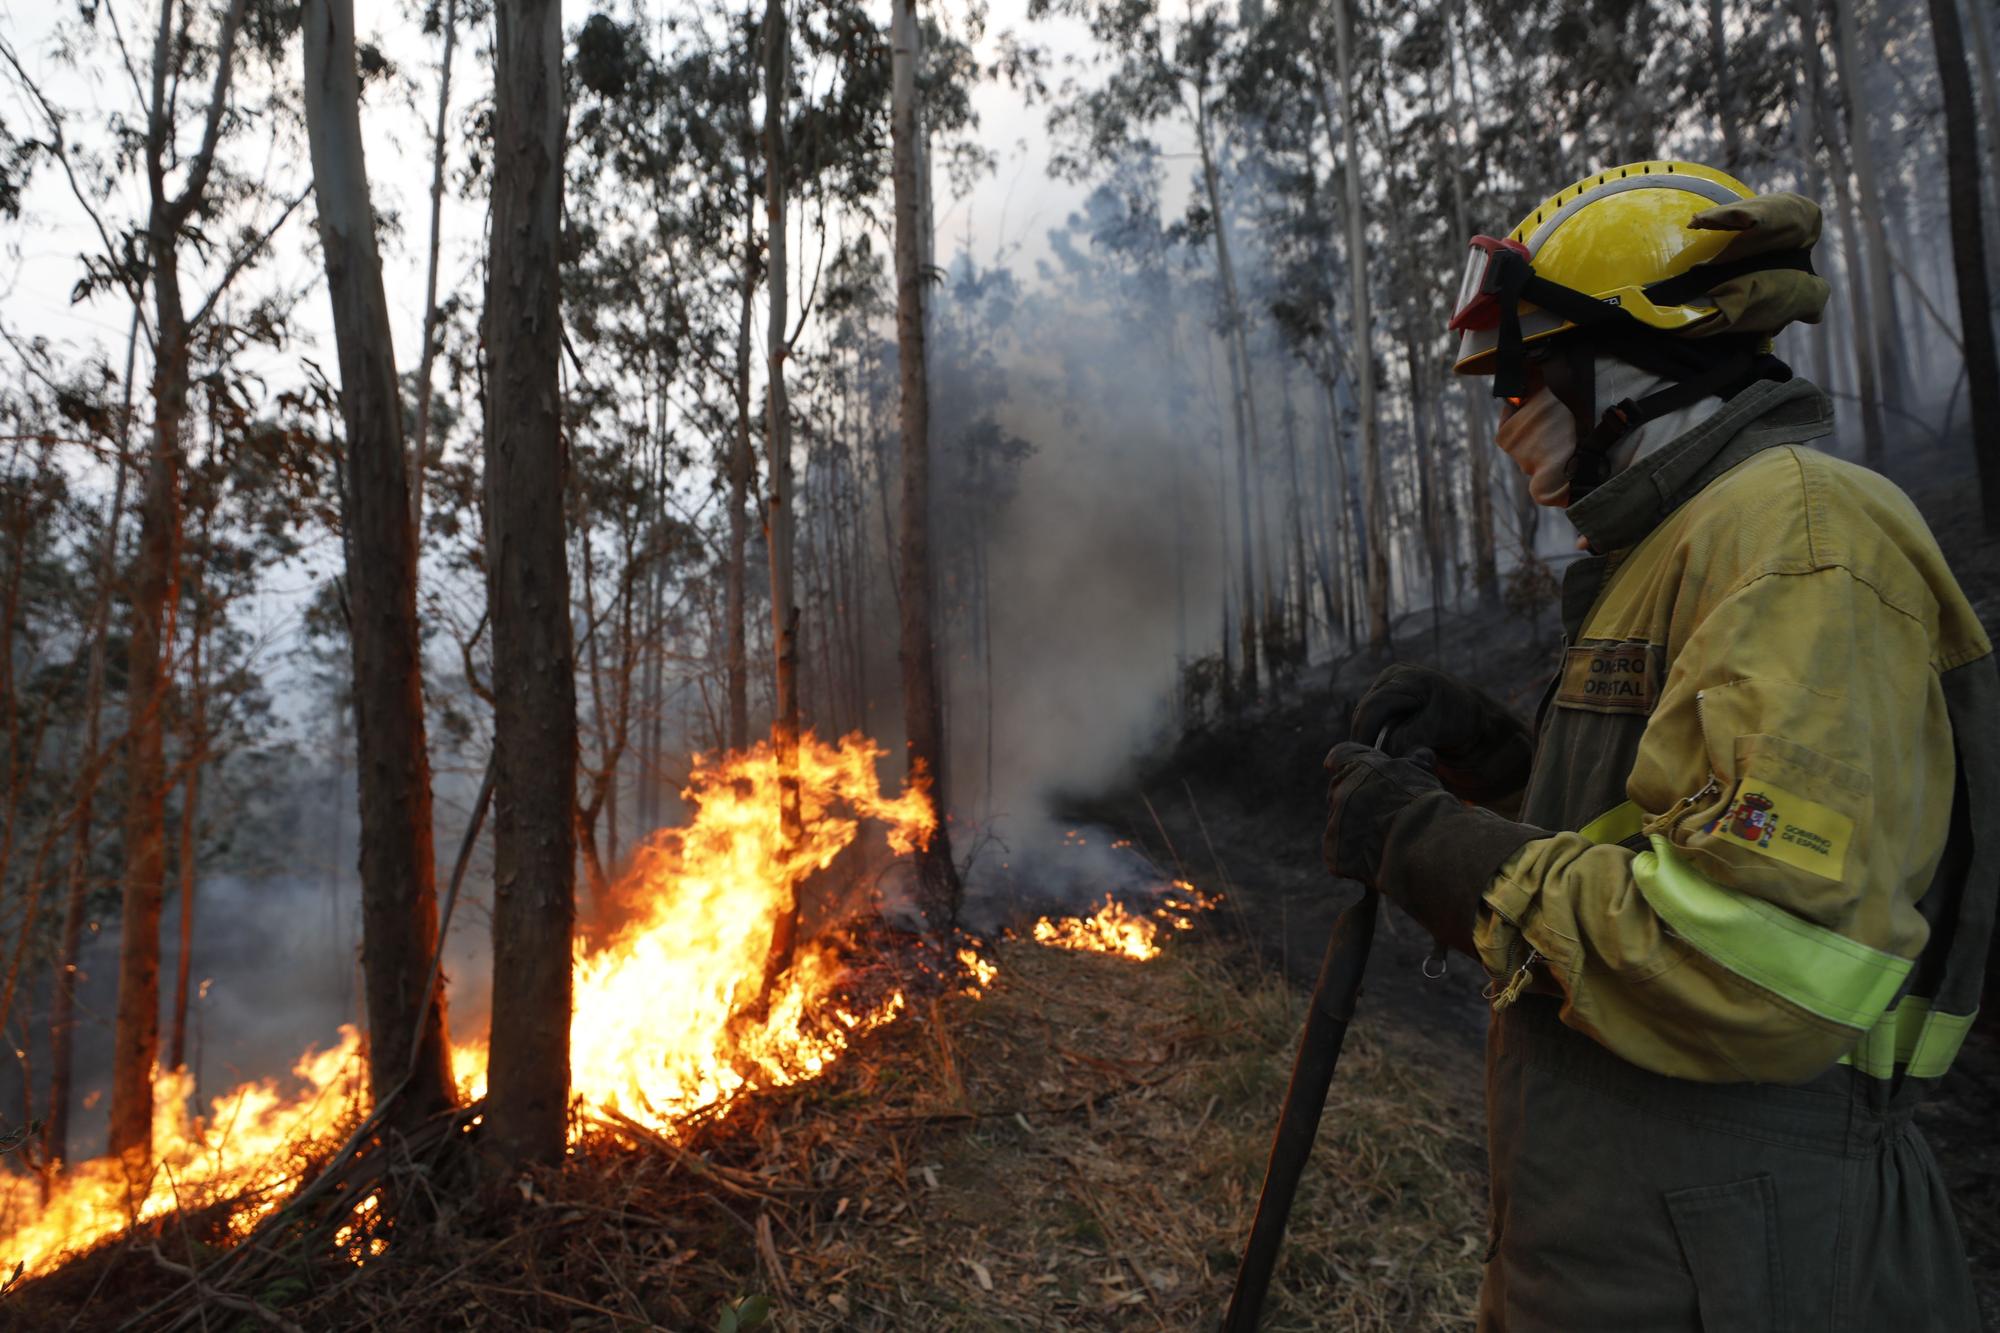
{"x": 1627, "y": 1202}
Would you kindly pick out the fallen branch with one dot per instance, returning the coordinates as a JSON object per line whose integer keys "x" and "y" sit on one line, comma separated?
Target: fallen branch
{"x": 224, "y": 1299}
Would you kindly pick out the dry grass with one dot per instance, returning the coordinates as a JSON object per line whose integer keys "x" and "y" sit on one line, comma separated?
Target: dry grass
{"x": 1079, "y": 1148}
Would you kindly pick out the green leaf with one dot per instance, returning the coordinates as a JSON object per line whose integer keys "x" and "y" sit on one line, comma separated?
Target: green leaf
{"x": 753, "y": 1311}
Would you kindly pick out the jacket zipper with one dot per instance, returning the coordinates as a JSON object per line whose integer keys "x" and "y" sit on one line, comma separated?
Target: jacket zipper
{"x": 1666, "y": 822}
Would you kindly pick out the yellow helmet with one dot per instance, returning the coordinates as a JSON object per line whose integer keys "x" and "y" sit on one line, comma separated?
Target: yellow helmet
{"x": 1609, "y": 237}
{"x": 1670, "y": 266}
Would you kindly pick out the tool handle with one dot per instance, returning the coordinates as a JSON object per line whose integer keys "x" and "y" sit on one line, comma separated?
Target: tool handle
{"x": 1305, "y": 1100}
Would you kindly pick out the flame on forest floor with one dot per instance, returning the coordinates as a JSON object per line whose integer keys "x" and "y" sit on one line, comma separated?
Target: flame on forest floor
{"x": 1115, "y": 929}
{"x": 255, "y": 1146}
{"x": 659, "y": 1032}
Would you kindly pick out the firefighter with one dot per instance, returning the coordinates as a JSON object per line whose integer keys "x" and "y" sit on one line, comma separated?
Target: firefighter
{"x": 1736, "y": 918}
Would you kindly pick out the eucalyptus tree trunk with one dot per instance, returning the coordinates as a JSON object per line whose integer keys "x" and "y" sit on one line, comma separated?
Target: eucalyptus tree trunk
{"x": 1725, "y": 92}
{"x": 155, "y": 590}
{"x": 1884, "y": 330}
{"x": 1806, "y": 133}
{"x": 779, "y": 535}
{"x": 1982, "y": 20}
{"x": 534, "y": 687}
{"x": 742, "y": 467}
{"x": 1244, "y": 413}
{"x": 1326, "y": 524}
{"x": 1300, "y": 603}
{"x": 1476, "y": 389}
{"x": 420, "y": 439}
{"x": 194, "y": 745}
{"x": 62, "y": 1007}
{"x": 923, "y": 717}
{"x": 1860, "y": 323}
{"x": 399, "y": 925}
{"x": 1968, "y": 248}
{"x": 1377, "y": 538}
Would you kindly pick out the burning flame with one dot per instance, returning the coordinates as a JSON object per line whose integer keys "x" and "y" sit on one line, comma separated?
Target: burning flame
{"x": 661, "y": 1027}
{"x": 255, "y": 1146}
{"x": 1111, "y": 929}
{"x": 981, "y": 970}
{"x": 1114, "y": 929}
{"x": 658, "y": 1030}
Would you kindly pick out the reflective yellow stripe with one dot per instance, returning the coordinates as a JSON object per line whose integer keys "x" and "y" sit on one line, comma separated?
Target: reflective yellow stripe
{"x": 1914, "y": 1035}
{"x": 1820, "y": 971}
{"x": 1616, "y": 824}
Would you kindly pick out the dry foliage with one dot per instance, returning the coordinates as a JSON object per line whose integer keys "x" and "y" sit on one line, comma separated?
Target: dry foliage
{"x": 1080, "y": 1147}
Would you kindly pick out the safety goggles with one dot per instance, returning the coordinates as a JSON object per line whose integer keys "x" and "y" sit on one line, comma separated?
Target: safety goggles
{"x": 1478, "y": 305}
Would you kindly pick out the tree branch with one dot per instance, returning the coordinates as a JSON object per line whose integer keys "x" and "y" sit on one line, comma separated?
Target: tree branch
{"x": 59, "y": 148}
{"x": 179, "y": 209}
{"x": 245, "y": 255}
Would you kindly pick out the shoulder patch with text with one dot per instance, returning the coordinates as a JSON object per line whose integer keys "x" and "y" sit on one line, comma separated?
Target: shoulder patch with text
{"x": 1611, "y": 678}
{"x": 1767, "y": 819}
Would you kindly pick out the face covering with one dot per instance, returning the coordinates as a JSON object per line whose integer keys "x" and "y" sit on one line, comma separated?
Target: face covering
{"x": 1540, "y": 436}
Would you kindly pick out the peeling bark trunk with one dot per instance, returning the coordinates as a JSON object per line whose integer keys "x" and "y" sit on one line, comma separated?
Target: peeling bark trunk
{"x": 534, "y": 687}
{"x": 62, "y": 1010}
{"x": 923, "y": 718}
{"x": 420, "y": 440}
{"x": 195, "y": 744}
{"x": 1239, "y": 401}
{"x": 1376, "y": 542}
{"x": 779, "y": 535}
{"x": 399, "y": 926}
{"x": 1860, "y": 323}
{"x": 155, "y": 590}
{"x": 1478, "y": 414}
{"x": 1968, "y": 248}
{"x": 742, "y": 467}
{"x": 1884, "y": 329}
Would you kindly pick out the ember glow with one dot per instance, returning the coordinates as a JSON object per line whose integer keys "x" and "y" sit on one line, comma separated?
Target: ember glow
{"x": 662, "y": 1027}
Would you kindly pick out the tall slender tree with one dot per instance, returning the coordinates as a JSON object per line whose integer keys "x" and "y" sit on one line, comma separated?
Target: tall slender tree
{"x": 1362, "y": 344}
{"x": 923, "y": 718}
{"x": 155, "y": 578}
{"x": 62, "y": 1005}
{"x": 528, "y": 588}
{"x": 399, "y": 925}
{"x": 778, "y": 520}
{"x": 1968, "y": 248}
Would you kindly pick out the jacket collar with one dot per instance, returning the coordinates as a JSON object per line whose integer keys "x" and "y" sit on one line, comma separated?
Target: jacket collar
{"x": 1768, "y": 413}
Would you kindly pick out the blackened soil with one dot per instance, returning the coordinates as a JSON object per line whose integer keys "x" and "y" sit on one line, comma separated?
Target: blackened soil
{"x": 1239, "y": 806}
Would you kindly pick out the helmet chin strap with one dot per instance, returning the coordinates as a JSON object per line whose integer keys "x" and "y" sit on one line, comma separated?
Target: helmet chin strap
{"x": 1719, "y": 367}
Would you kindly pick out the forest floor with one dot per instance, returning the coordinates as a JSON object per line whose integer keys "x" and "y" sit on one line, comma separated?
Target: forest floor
{"x": 1079, "y": 1146}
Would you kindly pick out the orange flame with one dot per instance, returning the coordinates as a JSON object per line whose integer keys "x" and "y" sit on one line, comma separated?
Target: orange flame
{"x": 658, "y": 1033}
{"x": 255, "y": 1145}
{"x": 1111, "y": 929}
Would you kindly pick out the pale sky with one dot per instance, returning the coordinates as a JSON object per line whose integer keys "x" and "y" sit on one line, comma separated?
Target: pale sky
{"x": 38, "y": 255}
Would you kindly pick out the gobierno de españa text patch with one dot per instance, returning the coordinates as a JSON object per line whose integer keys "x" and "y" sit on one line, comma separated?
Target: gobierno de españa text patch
{"x": 1765, "y": 818}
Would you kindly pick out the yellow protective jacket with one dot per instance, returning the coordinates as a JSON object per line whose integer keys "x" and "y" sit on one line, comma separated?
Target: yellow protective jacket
{"x": 1770, "y": 765}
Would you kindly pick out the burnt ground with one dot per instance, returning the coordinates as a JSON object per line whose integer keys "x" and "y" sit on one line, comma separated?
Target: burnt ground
{"x": 1240, "y": 805}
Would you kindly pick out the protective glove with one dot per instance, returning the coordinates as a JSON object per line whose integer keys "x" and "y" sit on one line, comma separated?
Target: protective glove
{"x": 1483, "y": 751}
{"x": 1393, "y": 826}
